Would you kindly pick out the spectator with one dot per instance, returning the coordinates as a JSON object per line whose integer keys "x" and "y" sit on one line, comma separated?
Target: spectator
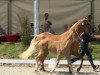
{"x": 48, "y": 27}
{"x": 2, "y": 31}
{"x": 98, "y": 32}
{"x": 65, "y": 27}
{"x": 46, "y": 15}
{"x": 32, "y": 28}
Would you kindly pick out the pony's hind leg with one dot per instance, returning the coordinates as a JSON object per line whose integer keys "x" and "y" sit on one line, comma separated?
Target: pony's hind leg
{"x": 79, "y": 56}
{"x": 70, "y": 65}
{"x": 68, "y": 57}
{"x": 37, "y": 64}
{"x": 40, "y": 60}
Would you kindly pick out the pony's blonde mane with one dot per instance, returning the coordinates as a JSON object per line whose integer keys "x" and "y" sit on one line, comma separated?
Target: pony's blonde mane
{"x": 76, "y": 24}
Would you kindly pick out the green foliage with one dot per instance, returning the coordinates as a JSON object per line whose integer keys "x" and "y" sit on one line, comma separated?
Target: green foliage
{"x": 25, "y": 41}
{"x": 95, "y": 52}
{"x": 11, "y": 51}
{"x": 0, "y": 40}
{"x": 25, "y": 29}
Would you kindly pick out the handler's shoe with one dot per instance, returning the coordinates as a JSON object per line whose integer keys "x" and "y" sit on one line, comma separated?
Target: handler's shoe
{"x": 95, "y": 68}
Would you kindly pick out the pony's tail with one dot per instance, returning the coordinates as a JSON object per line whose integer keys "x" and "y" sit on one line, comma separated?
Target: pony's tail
{"x": 32, "y": 49}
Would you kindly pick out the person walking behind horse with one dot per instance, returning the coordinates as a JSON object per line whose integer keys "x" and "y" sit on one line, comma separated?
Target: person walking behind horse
{"x": 48, "y": 27}
{"x": 84, "y": 46}
{"x": 46, "y": 16}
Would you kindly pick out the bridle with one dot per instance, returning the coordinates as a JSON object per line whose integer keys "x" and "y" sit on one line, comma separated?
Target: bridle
{"x": 87, "y": 26}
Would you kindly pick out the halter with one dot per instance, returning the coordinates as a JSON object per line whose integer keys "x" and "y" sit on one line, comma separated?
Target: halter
{"x": 88, "y": 26}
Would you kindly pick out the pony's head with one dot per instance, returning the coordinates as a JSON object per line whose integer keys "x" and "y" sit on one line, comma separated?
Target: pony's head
{"x": 89, "y": 26}
{"x": 82, "y": 26}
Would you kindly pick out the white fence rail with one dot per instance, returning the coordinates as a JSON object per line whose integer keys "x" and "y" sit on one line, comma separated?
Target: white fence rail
{"x": 63, "y": 62}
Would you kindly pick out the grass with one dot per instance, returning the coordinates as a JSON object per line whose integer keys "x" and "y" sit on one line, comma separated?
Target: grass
{"x": 11, "y": 51}
{"x": 96, "y": 51}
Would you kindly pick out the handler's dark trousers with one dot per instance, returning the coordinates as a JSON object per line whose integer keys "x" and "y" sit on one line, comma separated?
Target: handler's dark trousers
{"x": 87, "y": 52}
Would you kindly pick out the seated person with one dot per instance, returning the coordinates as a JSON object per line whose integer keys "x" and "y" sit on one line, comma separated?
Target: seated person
{"x": 65, "y": 27}
{"x": 98, "y": 32}
{"x": 2, "y": 31}
{"x": 32, "y": 28}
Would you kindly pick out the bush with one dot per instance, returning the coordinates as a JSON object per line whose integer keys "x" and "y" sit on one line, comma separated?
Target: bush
{"x": 25, "y": 30}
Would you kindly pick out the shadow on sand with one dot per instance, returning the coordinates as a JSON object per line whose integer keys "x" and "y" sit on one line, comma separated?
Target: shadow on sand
{"x": 79, "y": 73}
{"x": 67, "y": 73}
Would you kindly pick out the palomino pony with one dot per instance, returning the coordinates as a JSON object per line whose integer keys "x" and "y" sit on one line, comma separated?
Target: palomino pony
{"x": 63, "y": 44}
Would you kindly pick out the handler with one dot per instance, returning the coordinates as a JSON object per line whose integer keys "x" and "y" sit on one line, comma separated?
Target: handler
{"x": 84, "y": 46}
{"x": 85, "y": 50}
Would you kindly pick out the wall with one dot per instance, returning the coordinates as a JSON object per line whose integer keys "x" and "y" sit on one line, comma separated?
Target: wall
{"x": 97, "y": 12}
{"x": 3, "y": 14}
{"x": 61, "y": 12}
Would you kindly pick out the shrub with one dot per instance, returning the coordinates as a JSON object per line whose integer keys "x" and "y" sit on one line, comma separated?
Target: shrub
{"x": 25, "y": 30}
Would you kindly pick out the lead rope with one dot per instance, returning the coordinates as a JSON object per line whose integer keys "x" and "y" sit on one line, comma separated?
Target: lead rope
{"x": 78, "y": 36}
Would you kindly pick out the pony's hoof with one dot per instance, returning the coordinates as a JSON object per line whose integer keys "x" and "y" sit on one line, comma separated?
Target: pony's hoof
{"x": 43, "y": 70}
{"x": 78, "y": 69}
{"x": 71, "y": 73}
{"x": 51, "y": 72}
{"x": 35, "y": 70}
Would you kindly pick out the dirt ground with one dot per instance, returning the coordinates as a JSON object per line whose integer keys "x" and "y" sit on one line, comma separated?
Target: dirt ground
{"x": 29, "y": 70}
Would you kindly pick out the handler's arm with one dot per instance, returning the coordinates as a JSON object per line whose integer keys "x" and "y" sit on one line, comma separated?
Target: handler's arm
{"x": 97, "y": 36}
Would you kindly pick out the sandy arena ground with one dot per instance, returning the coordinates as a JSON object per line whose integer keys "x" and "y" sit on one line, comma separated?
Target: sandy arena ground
{"x": 29, "y": 70}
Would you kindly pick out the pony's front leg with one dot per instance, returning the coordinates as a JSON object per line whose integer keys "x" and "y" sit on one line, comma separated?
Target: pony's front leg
{"x": 57, "y": 62}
